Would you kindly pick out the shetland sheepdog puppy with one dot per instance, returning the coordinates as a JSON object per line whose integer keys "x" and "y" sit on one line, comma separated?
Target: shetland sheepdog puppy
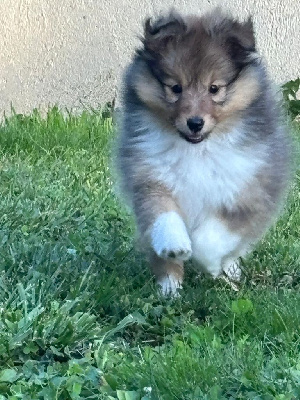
{"x": 203, "y": 152}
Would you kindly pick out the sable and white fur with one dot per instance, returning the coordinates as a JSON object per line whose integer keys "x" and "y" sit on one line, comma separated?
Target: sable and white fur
{"x": 207, "y": 192}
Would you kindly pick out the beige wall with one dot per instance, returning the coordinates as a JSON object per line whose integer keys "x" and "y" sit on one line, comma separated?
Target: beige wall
{"x": 71, "y": 52}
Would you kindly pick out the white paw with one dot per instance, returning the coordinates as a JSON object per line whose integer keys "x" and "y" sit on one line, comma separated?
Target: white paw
{"x": 169, "y": 237}
{"x": 233, "y": 271}
{"x": 169, "y": 286}
{"x": 182, "y": 252}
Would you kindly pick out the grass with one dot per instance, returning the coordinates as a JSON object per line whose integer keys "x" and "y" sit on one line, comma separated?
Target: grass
{"x": 80, "y": 317}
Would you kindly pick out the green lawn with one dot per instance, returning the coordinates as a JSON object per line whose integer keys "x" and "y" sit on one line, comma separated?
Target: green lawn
{"x": 80, "y": 317}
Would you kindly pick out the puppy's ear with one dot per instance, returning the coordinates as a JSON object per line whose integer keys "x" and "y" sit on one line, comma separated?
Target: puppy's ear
{"x": 237, "y": 37}
{"x": 247, "y": 34}
{"x": 165, "y": 26}
{"x": 241, "y": 40}
{"x": 158, "y": 33}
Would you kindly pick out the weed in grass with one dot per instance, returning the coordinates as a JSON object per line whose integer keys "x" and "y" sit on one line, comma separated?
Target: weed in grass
{"x": 290, "y": 90}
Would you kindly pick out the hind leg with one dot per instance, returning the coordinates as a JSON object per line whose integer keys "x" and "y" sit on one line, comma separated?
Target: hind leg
{"x": 232, "y": 266}
{"x": 232, "y": 269}
{"x": 216, "y": 248}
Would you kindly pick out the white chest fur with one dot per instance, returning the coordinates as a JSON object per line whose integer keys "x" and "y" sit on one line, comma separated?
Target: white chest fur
{"x": 203, "y": 177}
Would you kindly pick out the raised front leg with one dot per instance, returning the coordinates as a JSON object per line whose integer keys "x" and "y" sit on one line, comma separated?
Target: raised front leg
{"x": 163, "y": 230}
{"x": 169, "y": 237}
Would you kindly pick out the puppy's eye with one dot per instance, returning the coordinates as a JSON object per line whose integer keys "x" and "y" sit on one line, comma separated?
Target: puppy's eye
{"x": 176, "y": 89}
{"x": 213, "y": 89}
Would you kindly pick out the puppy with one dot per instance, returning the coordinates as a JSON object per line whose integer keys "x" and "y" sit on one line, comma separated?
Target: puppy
{"x": 203, "y": 153}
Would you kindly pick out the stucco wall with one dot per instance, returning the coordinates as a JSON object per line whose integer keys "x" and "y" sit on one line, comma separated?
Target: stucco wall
{"x": 71, "y": 52}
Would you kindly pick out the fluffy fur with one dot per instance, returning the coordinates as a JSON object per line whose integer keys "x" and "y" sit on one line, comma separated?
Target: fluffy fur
{"x": 203, "y": 153}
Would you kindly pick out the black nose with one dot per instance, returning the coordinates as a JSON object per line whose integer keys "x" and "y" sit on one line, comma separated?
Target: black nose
{"x": 195, "y": 124}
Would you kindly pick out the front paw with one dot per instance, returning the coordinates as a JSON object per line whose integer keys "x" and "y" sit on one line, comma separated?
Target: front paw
{"x": 182, "y": 252}
{"x": 169, "y": 237}
{"x": 169, "y": 286}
